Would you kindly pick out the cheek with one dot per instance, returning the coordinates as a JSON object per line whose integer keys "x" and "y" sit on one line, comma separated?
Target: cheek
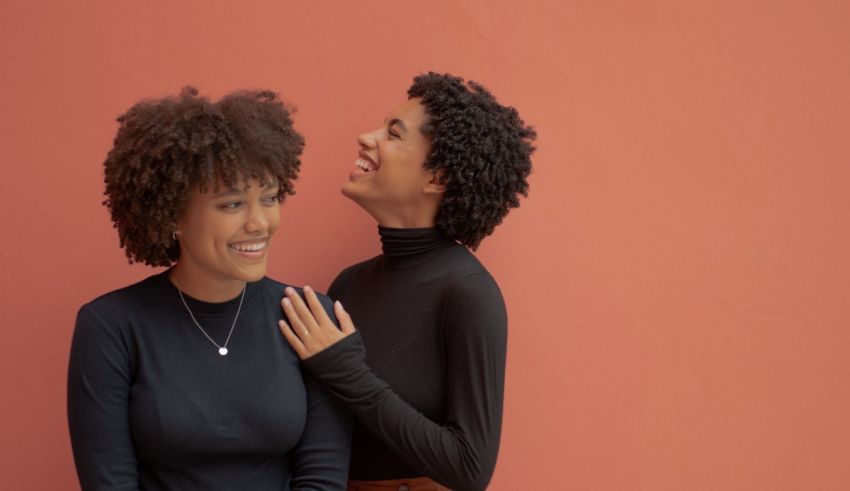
{"x": 198, "y": 234}
{"x": 418, "y": 151}
{"x": 218, "y": 231}
{"x": 199, "y": 243}
{"x": 273, "y": 218}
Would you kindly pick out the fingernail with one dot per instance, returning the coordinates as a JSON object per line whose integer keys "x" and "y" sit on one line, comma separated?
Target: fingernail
{"x": 307, "y": 288}
{"x": 286, "y": 301}
{"x": 338, "y": 304}
{"x": 289, "y": 290}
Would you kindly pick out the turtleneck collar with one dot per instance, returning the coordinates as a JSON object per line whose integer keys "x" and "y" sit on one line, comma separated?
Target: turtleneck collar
{"x": 410, "y": 246}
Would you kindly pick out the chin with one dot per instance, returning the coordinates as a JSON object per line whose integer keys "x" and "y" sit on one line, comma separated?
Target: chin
{"x": 253, "y": 278}
{"x": 346, "y": 191}
{"x": 252, "y": 275}
{"x": 353, "y": 195}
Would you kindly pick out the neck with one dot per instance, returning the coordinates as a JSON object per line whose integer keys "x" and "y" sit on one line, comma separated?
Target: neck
{"x": 418, "y": 213}
{"x": 400, "y": 222}
{"x": 416, "y": 217}
{"x": 204, "y": 286}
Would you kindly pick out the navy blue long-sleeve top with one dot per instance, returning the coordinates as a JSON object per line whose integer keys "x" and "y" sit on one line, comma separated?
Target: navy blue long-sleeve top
{"x": 153, "y": 405}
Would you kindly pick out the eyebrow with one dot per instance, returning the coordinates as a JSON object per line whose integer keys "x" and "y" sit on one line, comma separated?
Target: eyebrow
{"x": 231, "y": 192}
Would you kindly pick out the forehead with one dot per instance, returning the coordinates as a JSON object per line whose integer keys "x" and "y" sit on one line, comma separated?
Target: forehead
{"x": 241, "y": 185}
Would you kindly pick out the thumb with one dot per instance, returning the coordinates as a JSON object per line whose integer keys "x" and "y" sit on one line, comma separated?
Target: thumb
{"x": 345, "y": 323}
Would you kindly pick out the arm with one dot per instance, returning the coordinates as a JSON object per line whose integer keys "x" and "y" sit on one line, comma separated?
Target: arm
{"x": 462, "y": 453}
{"x": 320, "y": 460}
{"x": 99, "y": 377}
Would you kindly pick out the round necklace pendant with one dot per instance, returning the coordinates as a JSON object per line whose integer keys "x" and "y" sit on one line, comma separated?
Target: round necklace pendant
{"x": 222, "y": 351}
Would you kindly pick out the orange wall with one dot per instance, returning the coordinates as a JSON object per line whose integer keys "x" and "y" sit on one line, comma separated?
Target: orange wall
{"x": 677, "y": 282}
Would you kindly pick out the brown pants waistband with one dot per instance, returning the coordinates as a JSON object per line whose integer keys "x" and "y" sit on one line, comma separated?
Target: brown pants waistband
{"x": 410, "y": 484}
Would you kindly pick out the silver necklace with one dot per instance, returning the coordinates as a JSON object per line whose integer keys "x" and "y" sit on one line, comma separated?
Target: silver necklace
{"x": 222, "y": 349}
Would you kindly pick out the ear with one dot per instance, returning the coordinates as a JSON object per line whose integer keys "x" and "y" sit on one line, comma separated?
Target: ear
{"x": 434, "y": 186}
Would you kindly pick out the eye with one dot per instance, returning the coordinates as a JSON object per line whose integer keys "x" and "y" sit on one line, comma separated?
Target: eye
{"x": 392, "y": 135}
{"x": 271, "y": 200}
{"x": 230, "y": 205}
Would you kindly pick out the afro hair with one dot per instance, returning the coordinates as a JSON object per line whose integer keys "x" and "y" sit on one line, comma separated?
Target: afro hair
{"x": 480, "y": 150}
{"x": 166, "y": 148}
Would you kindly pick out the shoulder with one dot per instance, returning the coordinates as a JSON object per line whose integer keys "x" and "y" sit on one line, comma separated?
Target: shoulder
{"x": 468, "y": 283}
{"x": 473, "y": 288}
{"x": 124, "y": 301}
{"x": 350, "y": 274}
{"x": 108, "y": 319}
{"x": 276, "y": 289}
{"x": 475, "y": 310}
{"x": 356, "y": 268}
{"x": 463, "y": 268}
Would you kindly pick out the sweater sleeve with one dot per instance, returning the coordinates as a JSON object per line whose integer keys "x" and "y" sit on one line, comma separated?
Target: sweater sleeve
{"x": 320, "y": 460}
{"x": 99, "y": 378}
{"x": 461, "y": 454}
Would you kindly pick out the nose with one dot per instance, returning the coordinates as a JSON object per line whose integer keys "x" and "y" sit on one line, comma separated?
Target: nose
{"x": 368, "y": 140}
{"x": 256, "y": 222}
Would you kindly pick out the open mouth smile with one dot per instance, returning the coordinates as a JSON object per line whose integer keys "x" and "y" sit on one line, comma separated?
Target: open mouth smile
{"x": 253, "y": 249}
{"x": 365, "y": 163}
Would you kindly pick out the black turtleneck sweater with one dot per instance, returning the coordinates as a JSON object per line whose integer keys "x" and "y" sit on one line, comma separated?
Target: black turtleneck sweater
{"x": 427, "y": 391}
{"x": 152, "y": 405}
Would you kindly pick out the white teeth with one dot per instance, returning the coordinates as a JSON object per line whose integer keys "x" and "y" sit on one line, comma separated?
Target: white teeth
{"x": 364, "y": 165}
{"x": 259, "y": 246}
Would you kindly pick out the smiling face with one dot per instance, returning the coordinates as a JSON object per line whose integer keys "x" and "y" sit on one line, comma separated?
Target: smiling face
{"x": 389, "y": 179}
{"x": 224, "y": 237}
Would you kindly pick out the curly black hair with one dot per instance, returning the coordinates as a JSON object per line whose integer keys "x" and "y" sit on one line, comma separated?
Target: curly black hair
{"x": 480, "y": 150}
{"x": 167, "y": 147}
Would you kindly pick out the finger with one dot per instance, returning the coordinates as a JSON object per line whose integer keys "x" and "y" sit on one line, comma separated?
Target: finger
{"x": 298, "y": 329}
{"x": 345, "y": 323}
{"x": 301, "y": 308}
{"x": 292, "y": 339}
{"x": 293, "y": 316}
{"x": 316, "y": 307}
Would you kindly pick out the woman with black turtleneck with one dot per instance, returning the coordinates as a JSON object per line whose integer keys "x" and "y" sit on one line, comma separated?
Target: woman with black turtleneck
{"x": 424, "y": 375}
